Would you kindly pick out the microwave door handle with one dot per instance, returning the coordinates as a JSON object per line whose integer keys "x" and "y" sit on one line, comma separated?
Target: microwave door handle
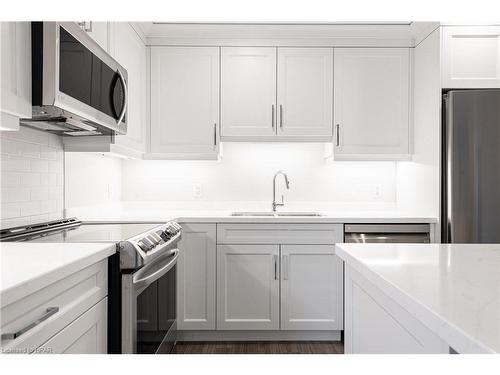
{"x": 125, "y": 98}
{"x": 150, "y": 278}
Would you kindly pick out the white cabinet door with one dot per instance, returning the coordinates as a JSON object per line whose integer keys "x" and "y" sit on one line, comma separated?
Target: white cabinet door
{"x": 247, "y": 287}
{"x": 248, "y": 91}
{"x": 99, "y": 31}
{"x": 196, "y": 269}
{"x": 85, "y": 335}
{"x": 371, "y": 91}
{"x": 305, "y": 89}
{"x": 471, "y": 56}
{"x": 184, "y": 102}
{"x": 311, "y": 288}
{"x": 15, "y": 79}
{"x": 129, "y": 50}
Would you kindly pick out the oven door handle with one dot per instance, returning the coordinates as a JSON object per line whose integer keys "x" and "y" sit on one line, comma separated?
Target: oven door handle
{"x": 144, "y": 277}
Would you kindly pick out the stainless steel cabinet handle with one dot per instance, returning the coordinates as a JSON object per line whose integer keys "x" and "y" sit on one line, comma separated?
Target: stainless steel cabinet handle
{"x": 281, "y": 116}
{"x": 215, "y": 134}
{"x": 285, "y": 267}
{"x": 48, "y": 313}
{"x": 275, "y": 267}
{"x": 338, "y": 134}
{"x": 272, "y": 116}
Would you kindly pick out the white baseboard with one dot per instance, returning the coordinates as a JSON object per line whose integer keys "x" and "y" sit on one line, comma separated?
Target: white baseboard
{"x": 258, "y": 335}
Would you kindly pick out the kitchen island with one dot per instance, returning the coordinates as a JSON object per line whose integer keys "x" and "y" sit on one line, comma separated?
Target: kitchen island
{"x": 421, "y": 298}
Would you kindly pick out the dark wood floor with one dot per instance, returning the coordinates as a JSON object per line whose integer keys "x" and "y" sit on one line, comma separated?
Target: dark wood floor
{"x": 260, "y": 347}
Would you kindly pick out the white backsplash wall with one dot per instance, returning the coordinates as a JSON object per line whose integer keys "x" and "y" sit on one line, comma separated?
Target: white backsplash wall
{"x": 246, "y": 170}
{"x": 32, "y": 168}
{"x": 92, "y": 179}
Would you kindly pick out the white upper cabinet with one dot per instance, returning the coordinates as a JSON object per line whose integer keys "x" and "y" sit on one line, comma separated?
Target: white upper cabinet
{"x": 305, "y": 89}
{"x": 184, "y": 103}
{"x": 99, "y": 31}
{"x": 372, "y": 111}
{"x": 471, "y": 56}
{"x": 15, "y": 81}
{"x": 129, "y": 50}
{"x": 248, "y": 91}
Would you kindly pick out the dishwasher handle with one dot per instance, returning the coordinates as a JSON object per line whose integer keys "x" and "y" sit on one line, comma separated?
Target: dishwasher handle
{"x": 387, "y": 238}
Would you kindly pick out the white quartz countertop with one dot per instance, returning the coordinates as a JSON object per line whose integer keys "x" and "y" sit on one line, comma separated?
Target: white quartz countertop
{"x": 452, "y": 289}
{"x": 28, "y": 267}
{"x": 148, "y": 211}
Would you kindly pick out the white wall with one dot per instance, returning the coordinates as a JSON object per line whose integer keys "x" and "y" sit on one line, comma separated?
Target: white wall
{"x": 418, "y": 180}
{"x": 245, "y": 174}
{"x": 92, "y": 179}
{"x": 31, "y": 173}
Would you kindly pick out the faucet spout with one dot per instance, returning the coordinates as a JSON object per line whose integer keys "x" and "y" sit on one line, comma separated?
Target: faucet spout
{"x": 287, "y": 184}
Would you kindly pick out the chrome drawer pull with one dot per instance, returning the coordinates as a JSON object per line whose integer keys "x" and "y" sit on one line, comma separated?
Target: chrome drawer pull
{"x": 48, "y": 313}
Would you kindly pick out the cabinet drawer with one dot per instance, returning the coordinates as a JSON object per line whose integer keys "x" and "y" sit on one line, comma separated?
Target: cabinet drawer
{"x": 86, "y": 335}
{"x": 72, "y": 296}
{"x": 264, "y": 234}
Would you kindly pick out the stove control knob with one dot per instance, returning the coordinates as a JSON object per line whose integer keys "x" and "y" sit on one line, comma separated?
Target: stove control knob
{"x": 165, "y": 235}
{"x": 155, "y": 237}
{"x": 148, "y": 243}
{"x": 143, "y": 246}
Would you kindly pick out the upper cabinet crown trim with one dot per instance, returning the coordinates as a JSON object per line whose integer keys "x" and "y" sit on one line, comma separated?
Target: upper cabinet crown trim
{"x": 404, "y": 34}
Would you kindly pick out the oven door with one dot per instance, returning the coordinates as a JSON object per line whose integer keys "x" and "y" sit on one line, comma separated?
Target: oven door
{"x": 149, "y": 307}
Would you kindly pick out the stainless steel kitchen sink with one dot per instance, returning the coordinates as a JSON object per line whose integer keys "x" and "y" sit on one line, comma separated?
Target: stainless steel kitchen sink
{"x": 278, "y": 214}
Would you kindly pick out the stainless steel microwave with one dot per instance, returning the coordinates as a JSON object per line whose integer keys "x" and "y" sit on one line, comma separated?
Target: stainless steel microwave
{"x": 78, "y": 89}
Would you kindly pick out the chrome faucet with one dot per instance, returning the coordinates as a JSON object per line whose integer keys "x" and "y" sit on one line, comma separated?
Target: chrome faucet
{"x": 287, "y": 183}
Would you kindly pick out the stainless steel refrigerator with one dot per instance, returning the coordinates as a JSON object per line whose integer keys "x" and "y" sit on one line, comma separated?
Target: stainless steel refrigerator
{"x": 471, "y": 166}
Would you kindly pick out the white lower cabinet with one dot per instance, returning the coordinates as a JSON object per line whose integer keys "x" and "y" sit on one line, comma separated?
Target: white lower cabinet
{"x": 87, "y": 334}
{"x": 311, "y": 288}
{"x": 196, "y": 270}
{"x": 67, "y": 316}
{"x": 376, "y": 324}
{"x": 247, "y": 287}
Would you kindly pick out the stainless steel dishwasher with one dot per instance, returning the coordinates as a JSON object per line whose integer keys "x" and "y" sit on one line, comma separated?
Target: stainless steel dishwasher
{"x": 387, "y": 233}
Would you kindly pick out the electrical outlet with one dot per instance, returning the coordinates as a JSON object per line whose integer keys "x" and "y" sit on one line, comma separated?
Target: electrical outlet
{"x": 377, "y": 192}
{"x": 197, "y": 191}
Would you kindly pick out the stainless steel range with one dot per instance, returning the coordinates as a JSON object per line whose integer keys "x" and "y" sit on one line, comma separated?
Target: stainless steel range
{"x": 141, "y": 277}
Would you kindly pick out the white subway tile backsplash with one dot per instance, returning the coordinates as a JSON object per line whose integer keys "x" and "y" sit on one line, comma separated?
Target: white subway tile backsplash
{"x": 15, "y": 164}
{"x": 30, "y": 179}
{"x": 49, "y": 206}
{"x": 32, "y": 182}
{"x": 54, "y": 166}
{"x": 48, "y": 179}
{"x": 11, "y": 179}
{"x": 40, "y": 166}
{"x": 12, "y": 195}
{"x": 30, "y": 208}
{"x": 10, "y": 210}
{"x": 48, "y": 153}
{"x": 29, "y": 150}
{"x": 8, "y": 146}
{"x": 40, "y": 194}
